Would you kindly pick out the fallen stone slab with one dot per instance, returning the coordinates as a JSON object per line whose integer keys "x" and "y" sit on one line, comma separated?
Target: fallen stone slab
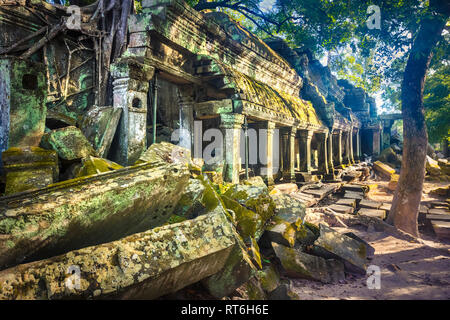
{"x": 386, "y": 207}
{"x": 141, "y": 266}
{"x": 342, "y": 209}
{"x": 372, "y": 213}
{"x": 322, "y": 192}
{"x": 438, "y": 204}
{"x": 29, "y": 168}
{"x": 392, "y": 185}
{"x": 442, "y": 217}
{"x": 91, "y": 166}
{"x": 370, "y": 204}
{"x": 279, "y": 231}
{"x": 439, "y": 211}
{"x": 87, "y": 211}
{"x": 99, "y": 126}
{"x": 269, "y": 278}
{"x": 354, "y": 195}
{"x": 289, "y": 209}
{"x": 383, "y": 169}
{"x": 334, "y": 245}
{"x": 306, "y": 199}
{"x": 286, "y": 188}
{"x": 441, "y": 191}
{"x": 253, "y": 290}
{"x": 441, "y": 228}
{"x": 284, "y": 291}
{"x": 432, "y": 167}
{"x": 298, "y": 264}
{"x": 165, "y": 152}
{"x": 347, "y": 202}
{"x": 356, "y": 188}
{"x": 69, "y": 143}
{"x": 369, "y": 249}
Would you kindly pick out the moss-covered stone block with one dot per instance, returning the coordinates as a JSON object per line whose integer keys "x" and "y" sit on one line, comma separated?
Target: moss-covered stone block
{"x": 269, "y": 278}
{"x": 91, "y": 166}
{"x": 99, "y": 126}
{"x": 69, "y": 143}
{"x": 298, "y": 264}
{"x": 87, "y": 211}
{"x": 145, "y": 265}
{"x": 29, "y": 168}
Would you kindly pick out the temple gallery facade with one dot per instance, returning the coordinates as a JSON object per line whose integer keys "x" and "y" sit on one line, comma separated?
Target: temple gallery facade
{"x": 248, "y": 106}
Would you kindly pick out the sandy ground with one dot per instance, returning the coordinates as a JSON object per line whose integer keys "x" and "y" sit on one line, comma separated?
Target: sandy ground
{"x": 408, "y": 270}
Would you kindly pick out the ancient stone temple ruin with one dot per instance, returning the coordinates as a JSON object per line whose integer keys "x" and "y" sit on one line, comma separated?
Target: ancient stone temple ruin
{"x": 99, "y": 187}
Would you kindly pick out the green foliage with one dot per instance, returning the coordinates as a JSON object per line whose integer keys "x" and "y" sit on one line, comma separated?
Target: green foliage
{"x": 437, "y": 104}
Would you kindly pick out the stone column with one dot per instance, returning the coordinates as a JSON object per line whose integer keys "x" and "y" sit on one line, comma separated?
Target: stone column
{"x": 322, "y": 150}
{"x": 130, "y": 87}
{"x": 266, "y": 151}
{"x": 347, "y": 160}
{"x": 357, "y": 155}
{"x": 231, "y": 125}
{"x": 350, "y": 146}
{"x": 330, "y": 152}
{"x": 289, "y": 160}
{"x": 305, "y": 150}
{"x": 339, "y": 148}
{"x": 186, "y": 105}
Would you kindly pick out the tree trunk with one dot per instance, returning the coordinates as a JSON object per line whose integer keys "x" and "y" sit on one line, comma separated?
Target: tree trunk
{"x": 407, "y": 197}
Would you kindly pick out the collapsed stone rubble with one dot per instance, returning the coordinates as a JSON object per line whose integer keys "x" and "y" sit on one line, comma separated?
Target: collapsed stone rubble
{"x": 97, "y": 201}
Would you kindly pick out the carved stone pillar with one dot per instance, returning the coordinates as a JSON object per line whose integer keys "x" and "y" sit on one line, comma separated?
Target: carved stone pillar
{"x": 350, "y": 146}
{"x": 339, "y": 149}
{"x": 330, "y": 152}
{"x": 231, "y": 125}
{"x": 322, "y": 153}
{"x": 266, "y": 151}
{"x": 347, "y": 161}
{"x": 186, "y": 105}
{"x": 130, "y": 87}
{"x": 289, "y": 160}
{"x": 357, "y": 149}
{"x": 305, "y": 150}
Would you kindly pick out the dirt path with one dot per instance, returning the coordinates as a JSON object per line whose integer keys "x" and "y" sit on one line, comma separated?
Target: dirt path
{"x": 408, "y": 270}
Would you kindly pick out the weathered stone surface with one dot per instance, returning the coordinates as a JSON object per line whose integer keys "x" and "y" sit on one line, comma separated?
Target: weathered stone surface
{"x": 99, "y": 126}
{"x": 165, "y": 152}
{"x": 69, "y": 143}
{"x": 23, "y": 91}
{"x": 87, "y": 211}
{"x": 347, "y": 202}
{"x": 372, "y": 213}
{"x": 237, "y": 270}
{"x": 29, "y": 168}
{"x": 354, "y": 195}
{"x": 284, "y": 292}
{"x": 144, "y": 265}
{"x": 432, "y": 167}
{"x": 92, "y": 165}
{"x": 342, "y": 208}
{"x": 253, "y": 290}
{"x": 365, "y": 203}
{"x": 255, "y": 181}
{"x": 280, "y": 232}
{"x": 388, "y": 155}
{"x": 249, "y": 224}
{"x": 289, "y": 208}
{"x": 392, "y": 185}
{"x": 256, "y": 199}
{"x": 442, "y": 229}
{"x": 286, "y": 188}
{"x": 190, "y": 203}
{"x": 306, "y": 235}
{"x": 298, "y": 264}
{"x": 441, "y": 191}
{"x": 269, "y": 278}
{"x": 383, "y": 169}
{"x": 332, "y": 244}
{"x": 369, "y": 249}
